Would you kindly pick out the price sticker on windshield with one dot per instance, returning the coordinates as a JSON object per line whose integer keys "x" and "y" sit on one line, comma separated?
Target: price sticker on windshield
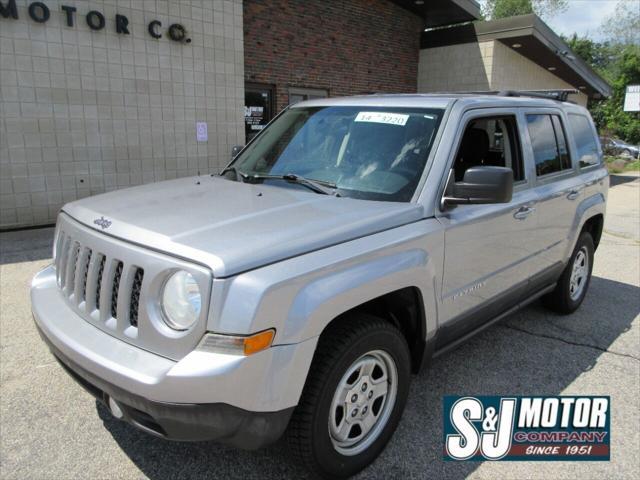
{"x": 398, "y": 119}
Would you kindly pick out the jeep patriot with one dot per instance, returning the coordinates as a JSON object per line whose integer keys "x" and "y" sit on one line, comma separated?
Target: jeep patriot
{"x": 345, "y": 246}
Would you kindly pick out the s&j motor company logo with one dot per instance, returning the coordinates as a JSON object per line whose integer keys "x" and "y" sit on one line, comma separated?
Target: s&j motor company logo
{"x": 526, "y": 428}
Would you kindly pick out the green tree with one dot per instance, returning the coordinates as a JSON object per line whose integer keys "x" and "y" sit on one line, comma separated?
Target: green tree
{"x": 609, "y": 113}
{"x": 617, "y": 60}
{"x": 494, "y": 9}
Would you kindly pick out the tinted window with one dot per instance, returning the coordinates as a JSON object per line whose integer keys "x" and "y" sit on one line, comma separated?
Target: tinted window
{"x": 565, "y": 159}
{"x": 549, "y": 144}
{"x": 585, "y": 141}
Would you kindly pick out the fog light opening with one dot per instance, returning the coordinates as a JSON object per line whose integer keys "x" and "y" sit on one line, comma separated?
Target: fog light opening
{"x": 116, "y": 411}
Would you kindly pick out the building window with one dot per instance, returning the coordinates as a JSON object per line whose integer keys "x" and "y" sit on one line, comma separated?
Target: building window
{"x": 301, "y": 94}
{"x": 549, "y": 144}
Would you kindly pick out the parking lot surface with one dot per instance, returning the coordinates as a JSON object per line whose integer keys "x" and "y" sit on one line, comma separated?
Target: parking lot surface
{"x": 51, "y": 428}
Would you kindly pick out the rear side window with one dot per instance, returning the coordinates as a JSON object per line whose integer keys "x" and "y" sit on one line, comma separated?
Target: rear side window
{"x": 585, "y": 141}
{"x": 549, "y": 144}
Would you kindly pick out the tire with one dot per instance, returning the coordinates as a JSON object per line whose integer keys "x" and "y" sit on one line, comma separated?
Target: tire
{"x": 346, "y": 352}
{"x": 565, "y": 298}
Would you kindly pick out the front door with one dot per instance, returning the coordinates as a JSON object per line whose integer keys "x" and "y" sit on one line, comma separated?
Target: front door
{"x": 489, "y": 249}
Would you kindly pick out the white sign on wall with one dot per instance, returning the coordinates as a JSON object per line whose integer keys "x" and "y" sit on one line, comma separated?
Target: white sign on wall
{"x": 632, "y": 99}
{"x": 201, "y": 131}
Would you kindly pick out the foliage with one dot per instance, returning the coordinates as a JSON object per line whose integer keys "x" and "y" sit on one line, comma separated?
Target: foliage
{"x": 619, "y": 64}
{"x": 494, "y": 9}
{"x": 610, "y": 162}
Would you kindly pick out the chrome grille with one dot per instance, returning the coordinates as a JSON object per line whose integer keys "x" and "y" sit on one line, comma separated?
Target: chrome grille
{"x": 83, "y": 275}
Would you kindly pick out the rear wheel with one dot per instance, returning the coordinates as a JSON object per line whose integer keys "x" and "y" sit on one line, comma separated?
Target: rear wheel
{"x": 574, "y": 282}
{"x": 353, "y": 399}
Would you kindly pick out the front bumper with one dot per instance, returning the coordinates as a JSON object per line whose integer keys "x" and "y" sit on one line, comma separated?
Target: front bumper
{"x": 243, "y": 401}
{"x": 183, "y": 421}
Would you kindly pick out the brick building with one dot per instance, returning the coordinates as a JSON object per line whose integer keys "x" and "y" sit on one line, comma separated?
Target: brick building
{"x": 98, "y": 95}
{"x": 295, "y": 50}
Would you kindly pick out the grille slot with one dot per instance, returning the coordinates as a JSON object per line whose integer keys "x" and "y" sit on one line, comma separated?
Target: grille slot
{"x": 74, "y": 251}
{"x": 62, "y": 265}
{"x": 83, "y": 262}
{"x": 116, "y": 287}
{"x": 103, "y": 259}
{"x": 136, "y": 288}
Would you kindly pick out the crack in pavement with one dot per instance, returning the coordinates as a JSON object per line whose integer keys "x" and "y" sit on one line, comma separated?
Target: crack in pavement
{"x": 568, "y": 342}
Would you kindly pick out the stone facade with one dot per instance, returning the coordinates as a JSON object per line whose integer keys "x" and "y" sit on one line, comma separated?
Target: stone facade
{"x": 487, "y": 65}
{"x": 84, "y": 111}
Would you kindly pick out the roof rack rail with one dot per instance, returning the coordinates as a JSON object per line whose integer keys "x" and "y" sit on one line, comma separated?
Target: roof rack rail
{"x": 560, "y": 95}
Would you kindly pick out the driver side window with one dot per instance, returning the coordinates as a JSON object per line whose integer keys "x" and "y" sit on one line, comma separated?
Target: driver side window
{"x": 490, "y": 141}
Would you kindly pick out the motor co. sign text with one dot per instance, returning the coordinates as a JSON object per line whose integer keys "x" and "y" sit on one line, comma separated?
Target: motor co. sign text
{"x": 40, "y": 13}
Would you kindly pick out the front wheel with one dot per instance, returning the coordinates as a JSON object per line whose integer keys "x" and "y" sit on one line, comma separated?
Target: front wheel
{"x": 574, "y": 282}
{"x": 353, "y": 399}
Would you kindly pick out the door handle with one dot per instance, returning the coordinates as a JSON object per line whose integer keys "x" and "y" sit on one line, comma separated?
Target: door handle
{"x": 573, "y": 194}
{"x": 523, "y": 212}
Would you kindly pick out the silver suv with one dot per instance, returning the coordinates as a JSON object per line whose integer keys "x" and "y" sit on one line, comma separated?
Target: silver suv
{"x": 347, "y": 244}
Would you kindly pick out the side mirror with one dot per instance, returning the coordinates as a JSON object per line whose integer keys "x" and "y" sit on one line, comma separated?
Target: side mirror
{"x": 236, "y": 150}
{"x": 483, "y": 184}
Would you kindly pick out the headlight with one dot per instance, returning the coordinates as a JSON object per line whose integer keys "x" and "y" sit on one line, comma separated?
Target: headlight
{"x": 181, "y": 301}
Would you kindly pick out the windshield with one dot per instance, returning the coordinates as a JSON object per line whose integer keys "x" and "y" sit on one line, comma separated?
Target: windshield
{"x": 364, "y": 152}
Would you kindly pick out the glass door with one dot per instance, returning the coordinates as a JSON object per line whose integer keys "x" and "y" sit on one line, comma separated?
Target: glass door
{"x": 258, "y": 108}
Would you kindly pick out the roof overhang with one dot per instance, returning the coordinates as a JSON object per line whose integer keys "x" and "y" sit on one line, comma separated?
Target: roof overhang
{"x": 442, "y": 12}
{"x": 532, "y": 38}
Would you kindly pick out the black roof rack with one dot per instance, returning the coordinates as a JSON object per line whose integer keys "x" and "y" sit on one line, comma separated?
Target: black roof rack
{"x": 560, "y": 95}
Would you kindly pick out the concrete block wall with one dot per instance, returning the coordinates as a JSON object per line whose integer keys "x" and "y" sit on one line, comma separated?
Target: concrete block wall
{"x": 487, "y": 65}
{"x": 512, "y": 71}
{"x": 85, "y": 111}
{"x": 464, "y": 67}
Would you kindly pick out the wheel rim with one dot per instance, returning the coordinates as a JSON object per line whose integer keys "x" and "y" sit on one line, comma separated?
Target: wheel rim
{"x": 362, "y": 402}
{"x": 579, "y": 274}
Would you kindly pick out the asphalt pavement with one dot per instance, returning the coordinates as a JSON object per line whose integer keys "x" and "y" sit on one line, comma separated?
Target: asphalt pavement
{"x": 51, "y": 428}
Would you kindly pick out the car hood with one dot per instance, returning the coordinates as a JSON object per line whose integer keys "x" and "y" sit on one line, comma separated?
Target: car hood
{"x": 232, "y": 227}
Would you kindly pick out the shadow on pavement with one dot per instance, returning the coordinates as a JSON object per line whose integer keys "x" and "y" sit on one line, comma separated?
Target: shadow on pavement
{"x": 615, "y": 180}
{"x": 532, "y": 352}
{"x": 26, "y": 245}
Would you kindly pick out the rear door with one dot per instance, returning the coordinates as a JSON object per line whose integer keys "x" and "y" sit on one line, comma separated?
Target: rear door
{"x": 558, "y": 189}
{"x": 489, "y": 250}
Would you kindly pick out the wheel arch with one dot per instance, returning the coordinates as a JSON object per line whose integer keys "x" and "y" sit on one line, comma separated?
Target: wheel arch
{"x": 404, "y": 308}
{"x": 589, "y": 217}
{"x": 594, "y": 226}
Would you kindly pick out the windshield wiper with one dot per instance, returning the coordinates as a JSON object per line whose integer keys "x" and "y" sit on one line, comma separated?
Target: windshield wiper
{"x": 325, "y": 188}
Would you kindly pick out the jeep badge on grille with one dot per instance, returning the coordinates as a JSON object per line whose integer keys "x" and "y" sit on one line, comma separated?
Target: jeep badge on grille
{"x": 102, "y": 222}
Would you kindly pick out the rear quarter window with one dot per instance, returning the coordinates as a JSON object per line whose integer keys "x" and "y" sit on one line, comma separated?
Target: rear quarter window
{"x": 587, "y": 147}
{"x": 549, "y": 144}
